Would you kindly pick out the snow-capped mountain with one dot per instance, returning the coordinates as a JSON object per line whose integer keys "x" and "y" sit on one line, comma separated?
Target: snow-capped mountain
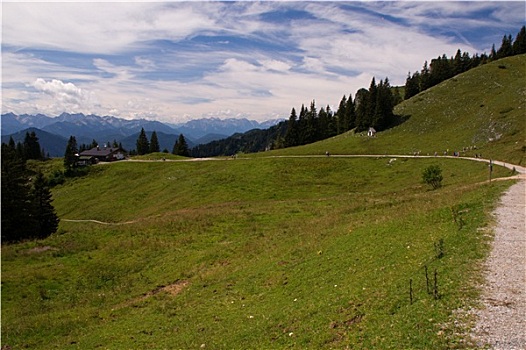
{"x": 199, "y": 128}
{"x": 86, "y": 128}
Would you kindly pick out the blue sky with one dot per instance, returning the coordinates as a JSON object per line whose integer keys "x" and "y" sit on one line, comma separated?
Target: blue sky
{"x": 175, "y": 61}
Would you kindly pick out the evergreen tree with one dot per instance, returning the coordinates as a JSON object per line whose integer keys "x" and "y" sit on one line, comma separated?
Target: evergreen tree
{"x": 17, "y": 220}
{"x": 506, "y": 48}
{"x": 341, "y": 115}
{"x": 70, "y": 155}
{"x": 311, "y": 124}
{"x": 292, "y": 134}
{"x": 323, "y": 124}
{"x": 519, "y": 45}
{"x": 20, "y": 151}
{"x": 371, "y": 103}
{"x": 412, "y": 85}
{"x": 11, "y": 143}
{"x": 331, "y": 122}
{"x": 425, "y": 78}
{"x": 383, "y": 114}
{"x": 360, "y": 102}
{"x": 31, "y": 146}
{"x": 302, "y": 124}
{"x": 154, "y": 143}
{"x": 493, "y": 53}
{"x": 143, "y": 146}
{"x": 181, "y": 147}
{"x": 45, "y": 215}
{"x": 350, "y": 114}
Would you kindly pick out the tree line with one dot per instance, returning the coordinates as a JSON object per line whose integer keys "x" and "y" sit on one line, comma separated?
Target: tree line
{"x": 372, "y": 107}
{"x": 29, "y": 149}
{"x": 27, "y": 210}
{"x": 144, "y": 146}
{"x": 443, "y": 68}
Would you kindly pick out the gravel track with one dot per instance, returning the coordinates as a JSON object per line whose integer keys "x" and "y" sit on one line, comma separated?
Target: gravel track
{"x": 501, "y": 321}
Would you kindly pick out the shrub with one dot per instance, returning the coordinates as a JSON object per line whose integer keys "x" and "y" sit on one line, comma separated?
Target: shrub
{"x": 432, "y": 176}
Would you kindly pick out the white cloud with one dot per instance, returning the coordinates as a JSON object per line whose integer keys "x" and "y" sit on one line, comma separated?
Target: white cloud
{"x": 99, "y": 27}
{"x": 58, "y": 89}
{"x": 275, "y": 65}
{"x": 64, "y": 96}
{"x": 150, "y": 59}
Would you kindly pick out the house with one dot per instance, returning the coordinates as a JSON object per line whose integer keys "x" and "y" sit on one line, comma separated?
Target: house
{"x": 371, "y": 132}
{"x": 101, "y": 154}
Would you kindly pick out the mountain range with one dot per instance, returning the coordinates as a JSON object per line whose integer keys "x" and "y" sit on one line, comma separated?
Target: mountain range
{"x": 53, "y": 132}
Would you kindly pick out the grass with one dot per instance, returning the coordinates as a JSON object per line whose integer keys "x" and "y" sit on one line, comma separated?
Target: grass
{"x": 270, "y": 253}
{"x": 452, "y": 116}
{"x": 276, "y": 253}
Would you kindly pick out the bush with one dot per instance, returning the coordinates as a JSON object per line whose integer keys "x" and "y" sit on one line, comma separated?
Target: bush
{"x": 432, "y": 176}
{"x": 57, "y": 178}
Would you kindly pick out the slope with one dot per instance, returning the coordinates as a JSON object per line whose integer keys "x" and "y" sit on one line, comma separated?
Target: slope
{"x": 482, "y": 108}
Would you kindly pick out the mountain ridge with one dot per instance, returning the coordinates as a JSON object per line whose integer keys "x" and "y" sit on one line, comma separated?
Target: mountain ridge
{"x": 88, "y": 127}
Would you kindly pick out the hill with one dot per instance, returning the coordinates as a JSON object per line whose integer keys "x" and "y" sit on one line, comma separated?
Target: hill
{"x": 308, "y": 252}
{"x": 52, "y": 144}
{"x": 482, "y": 108}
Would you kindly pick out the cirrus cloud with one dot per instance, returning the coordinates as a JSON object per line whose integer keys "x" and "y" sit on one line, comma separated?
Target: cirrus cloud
{"x": 177, "y": 60}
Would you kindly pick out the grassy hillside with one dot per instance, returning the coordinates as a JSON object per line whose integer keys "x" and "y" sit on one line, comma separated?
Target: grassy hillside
{"x": 276, "y": 253}
{"x": 484, "y": 107}
{"x": 262, "y": 253}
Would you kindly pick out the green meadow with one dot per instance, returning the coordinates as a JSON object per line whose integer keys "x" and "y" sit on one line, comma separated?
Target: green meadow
{"x": 264, "y": 252}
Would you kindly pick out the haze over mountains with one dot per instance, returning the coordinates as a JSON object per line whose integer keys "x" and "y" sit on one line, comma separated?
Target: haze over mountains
{"x": 53, "y": 132}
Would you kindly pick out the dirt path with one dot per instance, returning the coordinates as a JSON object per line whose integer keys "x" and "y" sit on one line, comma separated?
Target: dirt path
{"x": 100, "y": 222}
{"x": 501, "y": 322}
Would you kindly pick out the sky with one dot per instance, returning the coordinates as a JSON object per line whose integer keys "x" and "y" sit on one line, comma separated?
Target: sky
{"x": 177, "y": 61}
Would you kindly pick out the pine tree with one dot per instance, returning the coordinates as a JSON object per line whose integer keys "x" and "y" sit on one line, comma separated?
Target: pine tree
{"x": 371, "y": 101}
{"x": 360, "y": 102}
{"x": 331, "y": 122}
{"x": 181, "y": 147}
{"x": 384, "y": 106}
{"x": 323, "y": 124}
{"x": 350, "y": 114}
{"x": 17, "y": 217}
{"x": 493, "y": 53}
{"x": 519, "y": 45}
{"x": 341, "y": 115}
{"x": 412, "y": 85}
{"x": 311, "y": 124}
{"x": 45, "y": 215}
{"x": 302, "y": 124}
{"x": 31, "y": 146}
{"x": 11, "y": 143}
{"x": 425, "y": 78}
{"x": 506, "y": 48}
{"x": 292, "y": 134}
{"x": 143, "y": 146}
{"x": 70, "y": 155}
{"x": 154, "y": 143}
